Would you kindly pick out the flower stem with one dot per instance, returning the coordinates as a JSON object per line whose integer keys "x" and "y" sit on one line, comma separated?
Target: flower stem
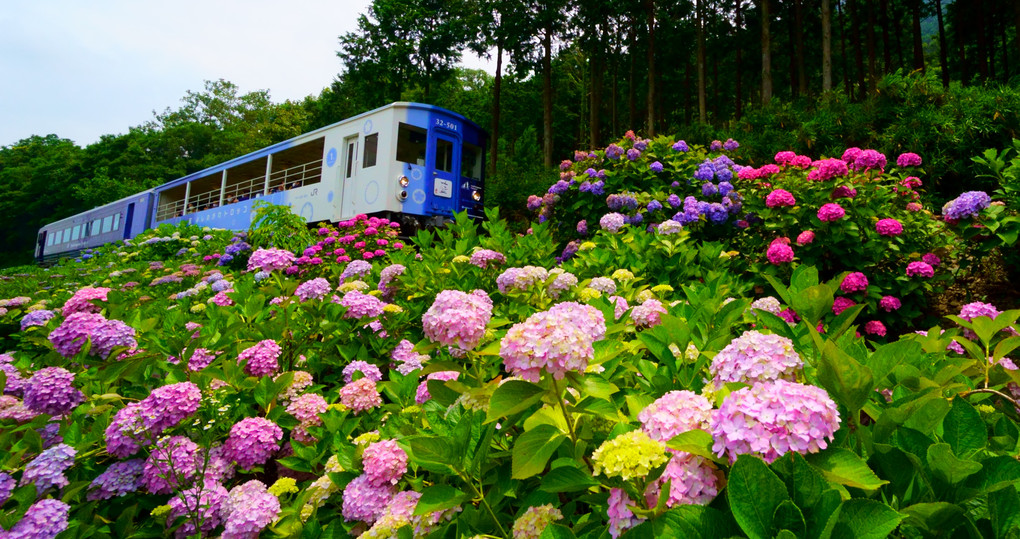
{"x": 566, "y": 415}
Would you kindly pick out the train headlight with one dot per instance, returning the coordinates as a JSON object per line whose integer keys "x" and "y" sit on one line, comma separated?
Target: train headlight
{"x": 402, "y": 195}
{"x": 476, "y": 194}
{"x": 403, "y": 181}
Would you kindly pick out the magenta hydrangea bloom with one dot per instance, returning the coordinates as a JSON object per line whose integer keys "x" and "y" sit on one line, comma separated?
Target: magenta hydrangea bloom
{"x": 314, "y": 289}
{"x": 889, "y": 303}
{"x": 889, "y": 227}
{"x": 69, "y": 337}
{"x": 360, "y": 305}
{"x": 805, "y": 237}
{"x": 252, "y": 441}
{"x": 422, "y": 394}
{"x": 648, "y": 313}
{"x": 126, "y": 432}
{"x": 620, "y": 305}
{"x": 875, "y": 327}
{"x": 364, "y": 500}
{"x": 868, "y": 160}
{"x": 908, "y": 159}
{"x": 45, "y": 519}
{"x": 120, "y": 479}
{"x": 779, "y": 253}
{"x": 693, "y": 481}
{"x": 780, "y": 197}
{"x": 458, "y": 318}
{"x": 756, "y": 357}
{"x": 931, "y": 259}
{"x": 975, "y": 309}
{"x": 841, "y": 304}
{"x": 360, "y": 395}
{"x": 173, "y": 462}
{"x": 46, "y": 471}
{"x": 773, "y": 418}
{"x": 249, "y": 508}
{"x": 200, "y": 359}
{"x": 270, "y": 260}
{"x": 384, "y": 463}
{"x": 168, "y": 405}
{"x": 207, "y": 500}
{"x": 81, "y": 301}
{"x": 831, "y": 212}
{"x": 674, "y": 413}
{"x": 920, "y": 269}
{"x": 548, "y": 340}
{"x": 306, "y": 408}
{"x": 854, "y": 282}
{"x": 260, "y": 359}
{"x": 785, "y": 157}
{"x": 51, "y": 391}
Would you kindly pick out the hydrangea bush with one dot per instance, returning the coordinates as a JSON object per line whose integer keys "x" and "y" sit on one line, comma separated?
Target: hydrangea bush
{"x": 477, "y": 382}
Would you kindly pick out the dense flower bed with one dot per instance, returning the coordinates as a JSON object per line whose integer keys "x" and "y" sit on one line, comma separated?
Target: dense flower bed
{"x": 473, "y": 384}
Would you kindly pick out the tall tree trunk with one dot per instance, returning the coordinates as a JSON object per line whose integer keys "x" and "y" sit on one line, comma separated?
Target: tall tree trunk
{"x": 616, "y": 90}
{"x": 872, "y": 56}
{"x": 595, "y": 114}
{"x": 916, "y": 26}
{"x": 766, "y": 54}
{"x": 699, "y": 9}
{"x": 687, "y": 92}
{"x": 961, "y": 46}
{"x": 991, "y": 45}
{"x": 632, "y": 81}
{"x": 886, "y": 45}
{"x": 855, "y": 44}
{"x": 897, "y": 31}
{"x": 1016, "y": 27}
{"x": 547, "y": 143}
{"x": 842, "y": 44}
{"x": 650, "y": 10}
{"x": 798, "y": 33}
{"x": 943, "y": 61}
{"x": 738, "y": 105}
{"x": 496, "y": 89}
{"x": 982, "y": 42}
{"x": 826, "y": 46}
{"x": 791, "y": 49}
{"x": 1005, "y": 49}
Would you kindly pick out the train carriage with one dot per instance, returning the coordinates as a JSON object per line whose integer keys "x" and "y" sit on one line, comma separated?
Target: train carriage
{"x": 413, "y": 163}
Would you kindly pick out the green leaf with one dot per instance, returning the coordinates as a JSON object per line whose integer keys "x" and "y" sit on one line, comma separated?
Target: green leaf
{"x": 844, "y": 467}
{"x": 887, "y": 357}
{"x": 1004, "y": 510}
{"x": 997, "y": 473}
{"x": 935, "y": 517}
{"x": 689, "y": 522}
{"x": 963, "y": 428}
{"x": 946, "y": 466}
{"x": 808, "y": 490}
{"x": 512, "y": 397}
{"x": 556, "y": 531}
{"x": 862, "y": 519}
{"x": 754, "y": 494}
{"x": 849, "y": 382}
{"x": 696, "y": 442}
{"x": 435, "y": 449}
{"x": 789, "y": 517}
{"x": 439, "y": 498}
{"x": 442, "y": 393}
{"x": 567, "y": 479}
{"x": 532, "y": 450}
{"x": 812, "y": 303}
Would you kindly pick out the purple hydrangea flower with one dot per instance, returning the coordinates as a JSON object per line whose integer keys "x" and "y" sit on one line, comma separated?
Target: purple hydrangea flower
{"x": 756, "y": 357}
{"x": 249, "y": 508}
{"x": 45, "y": 519}
{"x": 967, "y": 205}
{"x": 120, "y": 479}
{"x": 51, "y": 391}
{"x": 207, "y": 500}
{"x": 655, "y": 167}
{"x": 680, "y": 146}
{"x": 365, "y": 501}
{"x": 252, "y": 441}
{"x": 47, "y": 470}
{"x": 172, "y": 462}
{"x": 36, "y": 318}
{"x": 314, "y": 289}
{"x": 366, "y": 369}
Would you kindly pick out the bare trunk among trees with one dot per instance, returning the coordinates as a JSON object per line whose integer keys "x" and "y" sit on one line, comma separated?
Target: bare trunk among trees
{"x": 915, "y": 13}
{"x": 766, "y": 54}
{"x": 943, "y": 52}
{"x": 739, "y": 101}
{"x": 855, "y": 44}
{"x": 826, "y": 46}
{"x": 547, "y": 146}
{"x": 886, "y": 45}
{"x": 650, "y": 7}
{"x": 699, "y": 9}
{"x": 798, "y": 34}
{"x": 872, "y": 56}
{"x": 496, "y": 88}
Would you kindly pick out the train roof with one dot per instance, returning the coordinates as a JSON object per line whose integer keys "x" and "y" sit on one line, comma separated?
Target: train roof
{"x": 67, "y": 220}
{"x": 258, "y": 154}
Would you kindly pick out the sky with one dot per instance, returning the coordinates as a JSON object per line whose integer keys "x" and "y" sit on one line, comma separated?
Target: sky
{"x": 81, "y": 70}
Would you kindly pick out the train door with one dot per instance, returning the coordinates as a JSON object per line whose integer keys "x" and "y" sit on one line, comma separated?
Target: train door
{"x": 349, "y": 174}
{"x": 443, "y": 163}
{"x": 42, "y": 245}
{"x": 129, "y": 221}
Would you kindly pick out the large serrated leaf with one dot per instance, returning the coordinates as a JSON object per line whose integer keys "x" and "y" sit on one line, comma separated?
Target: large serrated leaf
{"x": 862, "y": 519}
{"x": 844, "y": 467}
{"x": 532, "y": 450}
{"x": 512, "y": 397}
{"x": 754, "y": 493}
{"x": 963, "y": 428}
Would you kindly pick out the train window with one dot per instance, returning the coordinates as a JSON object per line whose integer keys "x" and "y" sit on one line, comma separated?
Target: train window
{"x": 107, "y": 222}
{"x": 95, "y": 227}
{"x": 471, "y": 162}
{"x": 371, "y": 148}
{"x": 49, "y": 239}
{"x": 116, "y": 221}
{"x": 59, "y": 237}
{"x": 352, "y": 154}
{"x": 411, "y": 144}
{"x": 75, "y": 232}
{"x": 67, "y": 234}
{"x": 444, "y": 155}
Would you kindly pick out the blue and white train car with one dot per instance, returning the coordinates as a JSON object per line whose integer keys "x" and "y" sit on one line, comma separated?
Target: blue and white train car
{"x": 108, "y": 223}
{"x": 413, "y": 163}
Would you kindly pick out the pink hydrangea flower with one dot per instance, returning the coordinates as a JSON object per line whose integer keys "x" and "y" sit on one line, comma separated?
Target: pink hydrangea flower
{"x": 270, "y": 260}
{"x": 384, "y": 462}
{"x": 252, "y": 441}
{"x": 621, "y": 518}
{"x": 889, "y": 303}
{"x": 422, "y": 394}
{"x": 780, "y": 197}
{"x": 693, "y": 481}
{"x": 875, "y": 327}
{"x": 773, "y": 418}
{"x": 779, "y": 253}
{"x": 841, "y": 304}
{"x": 261, "y": 359}
{"x": 248, "y": 510}
{"x": 360, "y": 305}
{"x": 756, "y": 357}
{"x": 920, "y": 269}
{"x": 365, "y": 501}
{"x": 81, "y": 301}
{"x": 854, "y": 282}
{"x": 889, "y": 227}
{"x": 674, "y": 413}
{"x": 458, "y": 318}
{"x": 648, "y": 313}
{"x": 805, "y": 237}
{"x": 360, "y": 395}
{"x": 314, "y": 289}
{"x": 555, "y": 340}
{"x": 831, "y": 212}
{"x": 908, "y": 160}
{"x": 931, "y": 259}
